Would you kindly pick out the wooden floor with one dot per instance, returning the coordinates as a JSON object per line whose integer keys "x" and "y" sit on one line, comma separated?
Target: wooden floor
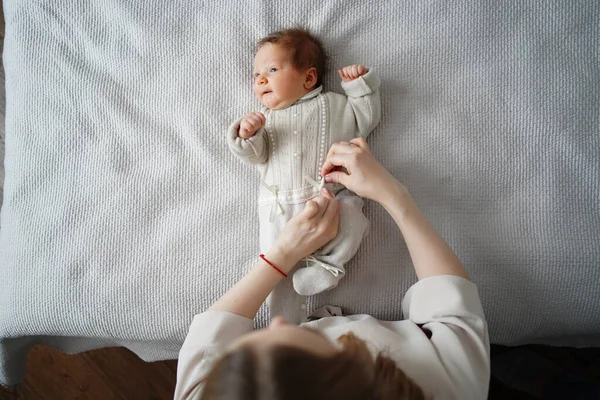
{"x": 112, "y": 373}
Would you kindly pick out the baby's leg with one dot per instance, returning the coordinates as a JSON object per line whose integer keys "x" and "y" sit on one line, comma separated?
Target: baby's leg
{"x": 326, "y": 266}
{"x": 283, "y": 300}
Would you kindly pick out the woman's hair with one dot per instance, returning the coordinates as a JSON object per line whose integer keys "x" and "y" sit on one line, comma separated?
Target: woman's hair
{"x": 289, "y": 373}
{"x": 305, "y": 48}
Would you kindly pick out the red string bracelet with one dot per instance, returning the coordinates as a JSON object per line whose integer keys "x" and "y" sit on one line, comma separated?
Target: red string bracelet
{"x": 271, "y": 264}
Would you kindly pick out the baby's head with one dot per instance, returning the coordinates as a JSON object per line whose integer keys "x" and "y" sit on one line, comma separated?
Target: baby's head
{"x": 287, "y": 65}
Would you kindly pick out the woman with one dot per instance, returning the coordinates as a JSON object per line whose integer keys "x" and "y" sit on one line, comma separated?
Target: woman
{"x": 441, "y": 349}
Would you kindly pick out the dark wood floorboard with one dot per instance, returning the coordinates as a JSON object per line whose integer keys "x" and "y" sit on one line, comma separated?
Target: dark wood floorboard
{"x": 111, "y": 373}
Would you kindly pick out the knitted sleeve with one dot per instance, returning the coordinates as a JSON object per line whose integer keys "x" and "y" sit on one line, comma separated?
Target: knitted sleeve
{"x": 254, "y": 150}
{"x": 364, "y": 102}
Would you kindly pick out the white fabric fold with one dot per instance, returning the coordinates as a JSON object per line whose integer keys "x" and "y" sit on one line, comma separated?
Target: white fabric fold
{"x": 277, "y": 208}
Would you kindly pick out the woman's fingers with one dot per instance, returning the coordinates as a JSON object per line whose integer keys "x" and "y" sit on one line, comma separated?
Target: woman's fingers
{"x": 334, "y": 161}
{"x": 339, "y": 148}
{"x": 311, "y": 208}
{"x": 332, "y": 203}
{"x": 326, "y": 193}
{"x": 328, "y": 216}
{"x": 332, "y": 217}
{"x": 336, "y": 177}
{"x": 360, "y": 142}
{"x": 322, "y": 202}
{"x": 312, "y": 228}
{"x": 337, "y": 155}
{"x": 327, "y": 167}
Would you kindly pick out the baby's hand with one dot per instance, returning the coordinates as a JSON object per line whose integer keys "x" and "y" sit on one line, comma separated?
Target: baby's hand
{"x": 351, "y": 72}
{"x": 251, "y": 123}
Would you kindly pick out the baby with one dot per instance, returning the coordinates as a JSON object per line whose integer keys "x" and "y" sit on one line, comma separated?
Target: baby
{"x": 289, "y": 140}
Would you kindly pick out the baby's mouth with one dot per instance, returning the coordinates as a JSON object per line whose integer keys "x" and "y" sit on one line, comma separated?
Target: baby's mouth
{"x": 267, "y": 92}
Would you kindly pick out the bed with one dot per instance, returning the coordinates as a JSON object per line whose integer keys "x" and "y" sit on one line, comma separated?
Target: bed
{"x": 124, "y": 213}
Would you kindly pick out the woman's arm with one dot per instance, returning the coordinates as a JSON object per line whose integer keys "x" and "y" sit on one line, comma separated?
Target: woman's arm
{"x": 246, "y": 296}
{"x": 368, "y": 178}
{"x": 311, "y": 229}
{"x": 430, "y": 254}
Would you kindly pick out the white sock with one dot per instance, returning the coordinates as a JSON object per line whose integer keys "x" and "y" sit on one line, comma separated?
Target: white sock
{"x": 314, "y": 279}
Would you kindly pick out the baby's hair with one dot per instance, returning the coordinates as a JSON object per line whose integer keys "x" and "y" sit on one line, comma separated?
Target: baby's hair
{"x": 307, "y": 49}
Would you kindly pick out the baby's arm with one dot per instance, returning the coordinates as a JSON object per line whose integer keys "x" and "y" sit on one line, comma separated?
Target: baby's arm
{"x": 362, "y": 88}
{"x": 247, "y": 139}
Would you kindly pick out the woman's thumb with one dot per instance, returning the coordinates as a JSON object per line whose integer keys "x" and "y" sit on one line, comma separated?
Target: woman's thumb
{"x": 336, "y": 177}
{"x": 310, "y": 209}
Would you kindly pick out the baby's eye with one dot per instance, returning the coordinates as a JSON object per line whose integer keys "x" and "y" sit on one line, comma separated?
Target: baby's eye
{"x": 273, "y": 70}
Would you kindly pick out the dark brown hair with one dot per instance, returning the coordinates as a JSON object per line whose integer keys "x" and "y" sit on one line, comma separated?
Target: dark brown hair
{"x": 306, "y": 49}
{"x": 293, "y": 374}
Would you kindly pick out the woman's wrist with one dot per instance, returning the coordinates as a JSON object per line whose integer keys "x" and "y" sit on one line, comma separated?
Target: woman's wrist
{"x": 391, "y": 192}
{"x": 396, "y": 200}
{"x": 282, "y": 259}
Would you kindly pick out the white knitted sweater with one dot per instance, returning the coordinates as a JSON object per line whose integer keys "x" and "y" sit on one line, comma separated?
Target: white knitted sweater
{"x": 291, "y": 148}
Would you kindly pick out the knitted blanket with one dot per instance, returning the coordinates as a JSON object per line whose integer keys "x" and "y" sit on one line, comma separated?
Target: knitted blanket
{"x": 125, "y": 214}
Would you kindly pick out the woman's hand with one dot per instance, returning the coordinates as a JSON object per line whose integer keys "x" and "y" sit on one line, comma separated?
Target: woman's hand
{"x": 309, "y": 230}
{"x": 365, "y": 175}
{"x": 430, "y": 254}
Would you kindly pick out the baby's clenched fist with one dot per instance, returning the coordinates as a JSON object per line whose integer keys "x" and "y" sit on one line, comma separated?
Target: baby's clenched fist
{"x": 251, "y": 123}
{"x": 351, "y": 72}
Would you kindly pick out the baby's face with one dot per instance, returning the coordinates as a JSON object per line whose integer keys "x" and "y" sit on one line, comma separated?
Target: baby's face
{"x": 277, "y": 83}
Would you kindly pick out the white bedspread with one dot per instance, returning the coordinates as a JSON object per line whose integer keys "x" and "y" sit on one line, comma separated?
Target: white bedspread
{"x": 125, "y": 214}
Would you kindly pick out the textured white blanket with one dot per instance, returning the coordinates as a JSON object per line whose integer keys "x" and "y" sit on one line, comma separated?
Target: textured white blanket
{"x": 125, "y": 214}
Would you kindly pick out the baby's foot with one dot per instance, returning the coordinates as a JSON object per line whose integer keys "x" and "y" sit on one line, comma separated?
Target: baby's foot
{"x": 314, "y": 279}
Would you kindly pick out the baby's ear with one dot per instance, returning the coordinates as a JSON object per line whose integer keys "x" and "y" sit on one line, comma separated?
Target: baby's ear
{"x": 310, "y": 80}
